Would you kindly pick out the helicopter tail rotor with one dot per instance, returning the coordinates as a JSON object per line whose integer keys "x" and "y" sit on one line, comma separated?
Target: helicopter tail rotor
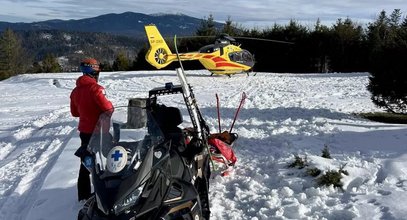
{"x": 158, "y": 54}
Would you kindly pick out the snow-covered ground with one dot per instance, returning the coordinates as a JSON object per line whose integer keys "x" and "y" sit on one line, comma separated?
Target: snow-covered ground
{"x": 284, "y": 115}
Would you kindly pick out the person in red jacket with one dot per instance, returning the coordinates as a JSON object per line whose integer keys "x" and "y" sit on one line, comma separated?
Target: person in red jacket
{"x": 88, "y": 101}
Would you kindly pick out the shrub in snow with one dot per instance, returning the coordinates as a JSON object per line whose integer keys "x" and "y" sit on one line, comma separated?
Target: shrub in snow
{"x": 314, "y": 172}
{"x": 331, "y": 178}
{"x": 299, "y": 162}
{"x": 326, "y": 153}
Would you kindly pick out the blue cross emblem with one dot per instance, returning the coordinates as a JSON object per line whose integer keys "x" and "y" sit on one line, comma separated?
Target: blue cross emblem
{"x": 117, "y": 155}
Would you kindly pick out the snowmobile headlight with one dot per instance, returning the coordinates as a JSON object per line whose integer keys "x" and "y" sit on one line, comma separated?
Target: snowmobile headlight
{"x": 128, "y": 201}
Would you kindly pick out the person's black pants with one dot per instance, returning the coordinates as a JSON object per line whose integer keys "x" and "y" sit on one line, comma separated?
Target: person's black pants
{"x": 84, "y": 188}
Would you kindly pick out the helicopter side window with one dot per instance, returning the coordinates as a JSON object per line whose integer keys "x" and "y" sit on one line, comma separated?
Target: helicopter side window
{"x": 207, "y": 49}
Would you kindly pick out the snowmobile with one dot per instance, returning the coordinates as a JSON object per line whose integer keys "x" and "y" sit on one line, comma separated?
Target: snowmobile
{"x": 142, "y": 167}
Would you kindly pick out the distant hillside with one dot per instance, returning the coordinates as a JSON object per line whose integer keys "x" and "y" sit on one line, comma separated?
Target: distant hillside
{"x": 128, "y": 23}
{"x": 72, "y": 46}
{"x": 102, "y": 37}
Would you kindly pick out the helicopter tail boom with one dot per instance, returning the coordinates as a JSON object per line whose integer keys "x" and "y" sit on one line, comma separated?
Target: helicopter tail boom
{"x": 159, "y": 55}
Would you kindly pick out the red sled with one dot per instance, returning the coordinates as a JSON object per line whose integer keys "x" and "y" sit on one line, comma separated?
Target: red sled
{"x": 223, "y": 153}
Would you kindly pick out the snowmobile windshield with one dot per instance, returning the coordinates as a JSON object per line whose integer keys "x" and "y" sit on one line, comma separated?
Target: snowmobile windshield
{"x": 122, "y": 141}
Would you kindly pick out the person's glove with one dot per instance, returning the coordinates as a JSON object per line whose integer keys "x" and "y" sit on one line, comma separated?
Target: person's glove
{"x": 87, "y": 161}
{"x": 85, "y": 155}
{"x": 82, "y": 152}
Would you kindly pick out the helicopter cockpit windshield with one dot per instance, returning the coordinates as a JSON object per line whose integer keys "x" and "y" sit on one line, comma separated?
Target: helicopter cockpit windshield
{"x": 244, "y": 57}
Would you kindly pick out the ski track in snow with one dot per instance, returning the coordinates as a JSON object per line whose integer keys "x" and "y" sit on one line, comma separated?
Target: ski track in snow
{"x": 29, "y": 153}
{"x": 23, "y": 175}
{"x": 284, "y": 115}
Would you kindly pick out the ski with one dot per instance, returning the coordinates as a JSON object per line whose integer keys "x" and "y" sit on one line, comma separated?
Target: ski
{"x": 202, "y": 133}
{"x": 192, "y": 106}
{"x": 198, "y": 122}
{"x": 190, "y": 102}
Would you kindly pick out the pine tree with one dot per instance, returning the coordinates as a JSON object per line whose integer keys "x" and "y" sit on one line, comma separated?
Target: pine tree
{"x": 388, "y": 43}
{"x": 346, "y": 45}
{"x": 207, "y": 27}
{"x": 12, "y": 56}
{"x": 121, "y": 63}
{"x": 404, "y": 23}
{"x": 319, "y": 42}
{"x": 35, "y": 68}
{"x": 50, "y": 64}
{"x": 230, "y": 28}
{"x": 105, "y": 66}
{"x": 295, "y": 32}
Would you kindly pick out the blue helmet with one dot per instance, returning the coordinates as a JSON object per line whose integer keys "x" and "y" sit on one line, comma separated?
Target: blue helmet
{"x": 90, "y": 66}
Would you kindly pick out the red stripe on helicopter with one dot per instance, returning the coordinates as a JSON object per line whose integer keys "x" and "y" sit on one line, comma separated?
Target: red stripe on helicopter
{"x": 207, "y": 56}
{"x": 218, "y": 59}
{"x": 227, "y": 64}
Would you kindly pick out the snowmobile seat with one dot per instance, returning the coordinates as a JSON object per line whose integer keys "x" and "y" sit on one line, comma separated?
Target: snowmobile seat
{"x": 168, "y": 118}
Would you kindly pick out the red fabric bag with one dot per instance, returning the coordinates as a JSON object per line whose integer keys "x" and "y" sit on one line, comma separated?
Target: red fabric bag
{"x": 224, "y": 149}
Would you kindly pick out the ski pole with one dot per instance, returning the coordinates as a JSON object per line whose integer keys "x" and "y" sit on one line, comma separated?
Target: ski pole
{"x": 238, "y": 109}
{"x": 217, "y": 106}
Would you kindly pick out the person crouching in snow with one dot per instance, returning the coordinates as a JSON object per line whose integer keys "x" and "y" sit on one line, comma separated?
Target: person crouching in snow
{"x": 88, "y": 101}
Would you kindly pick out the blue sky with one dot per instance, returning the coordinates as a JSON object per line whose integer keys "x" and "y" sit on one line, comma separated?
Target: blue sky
{"x": 249, "y": 13}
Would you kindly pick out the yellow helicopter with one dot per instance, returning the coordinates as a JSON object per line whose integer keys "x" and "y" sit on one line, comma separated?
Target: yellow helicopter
{"x": 222, "y": 57}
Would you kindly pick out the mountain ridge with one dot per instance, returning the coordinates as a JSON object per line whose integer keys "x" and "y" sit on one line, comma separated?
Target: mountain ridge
{"x": 127, "y": 23}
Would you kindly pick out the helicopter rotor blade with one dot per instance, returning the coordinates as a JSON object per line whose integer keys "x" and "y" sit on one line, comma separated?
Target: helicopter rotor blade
{"x": 263, "y": 39}
{"x": 189, "y": 37}
{"x": 232, "y": 38}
